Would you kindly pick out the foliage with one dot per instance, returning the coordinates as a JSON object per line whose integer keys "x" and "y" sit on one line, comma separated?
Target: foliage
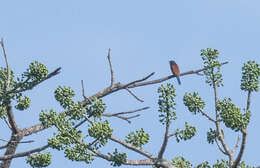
{"x": 36, "y": 71}
{"x": 212, "y": 135}
{"x": 118, "y": 158}
{"x": 213, "y": 75}
{"x": 79, "y": 152}
{"x": 185, "y": 134}
{"x": 100, "y": 131}
{"x": 96, "y": 108}
{"x": 64, "y": 96}
{"x": 194, "y": 102}
{"x": 23, "y": 103}
{"x": 167, "y": 103}
{"x": 203, "y": 165}
{"x": 250, "y": 76}
{"x": 181, "y": 162}
{"x": 138, "y": 139}
{"x": 231, "y": 115}
{"x": 39, "y": 160}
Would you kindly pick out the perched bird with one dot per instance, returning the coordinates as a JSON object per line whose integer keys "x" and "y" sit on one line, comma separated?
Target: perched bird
{"x": 175, "y": 70}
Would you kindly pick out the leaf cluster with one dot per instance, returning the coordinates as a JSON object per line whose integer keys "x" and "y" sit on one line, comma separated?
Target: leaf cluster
{"x": 138, "y": 139}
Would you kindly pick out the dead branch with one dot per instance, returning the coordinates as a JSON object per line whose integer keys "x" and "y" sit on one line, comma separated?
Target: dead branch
{"x": 131, "y": 93}
{"x": 120, "y": 114}
{"x": 111, "y": 68}
{"x": 29, "y": 141}
{"x": 22, "y": 154}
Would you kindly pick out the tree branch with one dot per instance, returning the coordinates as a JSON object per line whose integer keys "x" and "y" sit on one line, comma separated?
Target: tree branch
{"x": 218, "y": 128}
{"x": 111, "y": 68}
{"x": 129, "y": 91}
{"x": 4, "y": 146}
{"x": 119, "y": 115}
{"x": 29, "y": 141}
{"x": 165, "y": 141}
{"x": 139, "y": 83}
{"x": 11, "y": 118}
{"x": 237, "y": 144}
{"x": 33, "y": 129}
{"x": 22, "y": 89}
{"x": 244, "y": 135}
{"x": 207, "y": 116}
{"x": 7, "y": 82}
{"x": 133, "y": 148}
{"x": 220, "y": 148}
{"x": 22, "y": 154}
{"x": 170, "y": 76}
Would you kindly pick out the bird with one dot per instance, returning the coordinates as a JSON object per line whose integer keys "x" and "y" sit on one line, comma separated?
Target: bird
{"x": 175, "y": 70}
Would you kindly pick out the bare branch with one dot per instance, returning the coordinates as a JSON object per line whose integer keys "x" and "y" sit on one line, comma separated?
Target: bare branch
{"x": 244, "y": 135}
{"x": 242, "y": 148}
{"x": 217, "y": 123}
{"x": 129, "y": 112}
{"x": 138, "y": 83}
{"x": 165, "y": 141}
{"x": 29, "y": 141}
{"x": 133, "y": 148}
{"x": 4, "y": 146}
{"x": 33, "y": 129}
{"x": 219, "y": 147}
{"x": 22, "y": 154}
{"x": 7, "y": 82}
{"x": 207, "y": 116}
{"x": 170, "y": 76}
{"x": 111, "y": 68}
{"x": 83, "y": 90}
{"x": 119, "y": 115}
{"x": 11, "y": 119}
{"x": 80, "y": 123}
{"x": 129, "y": 91}
{"x": 7, "y": 123}
{"x": 172, "y": 134}
{"x": 139, "y": 80}
{"x": 237, "y": 144}
{"x": 248, "y": 100}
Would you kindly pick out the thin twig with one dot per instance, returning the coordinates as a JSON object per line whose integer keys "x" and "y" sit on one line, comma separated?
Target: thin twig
{"x": 111, "y": 68}
{"x": 207, "y": 116}
{"x": 217, "y": 123}
{"x": 29, "y": 141}
{"x": 7, "y": 66}
{"x": 132, "y": 147}
{"x": 83, "y": 90}
{"x": 129, "y": 91}
{"x": 172, "y": 134}
{"x": 237, "y": 144}
{"x": 169, "y": 77}
{"x": 22, "y": 154}
{"x": 219, "y": 147}
{"x": 127, "y": 112}
{"x": 119, "y": 115}
{"x": 7, "y": 123}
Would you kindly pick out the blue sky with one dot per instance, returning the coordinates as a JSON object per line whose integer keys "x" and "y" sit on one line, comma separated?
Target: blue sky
{"x": 143, "y": 37}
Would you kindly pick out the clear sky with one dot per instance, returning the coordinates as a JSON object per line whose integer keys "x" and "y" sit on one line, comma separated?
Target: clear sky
{"x": 143, "y": 37}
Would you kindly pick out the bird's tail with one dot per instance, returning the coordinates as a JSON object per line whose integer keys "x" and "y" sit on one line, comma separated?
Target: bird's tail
{"x": 178, "y": 79}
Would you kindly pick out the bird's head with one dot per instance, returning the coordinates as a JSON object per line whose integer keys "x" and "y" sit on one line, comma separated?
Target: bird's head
{"x": 172, "y": 62}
